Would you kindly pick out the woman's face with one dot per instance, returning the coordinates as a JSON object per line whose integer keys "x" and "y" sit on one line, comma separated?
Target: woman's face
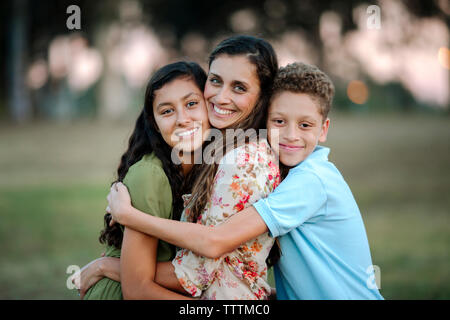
{"x": 180, "y": 114}
{"x": 231, "y": 91}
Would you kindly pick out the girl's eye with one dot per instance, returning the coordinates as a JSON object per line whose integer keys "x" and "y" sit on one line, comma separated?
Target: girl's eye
{"x": 167, "y": 111}
{"x": 191, "y": 104}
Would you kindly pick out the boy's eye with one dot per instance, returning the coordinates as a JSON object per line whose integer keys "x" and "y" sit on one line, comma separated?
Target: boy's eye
{"x": 191, "y": 104}
{"x": 278, "y": 121}
{"x": 304, "y": 125}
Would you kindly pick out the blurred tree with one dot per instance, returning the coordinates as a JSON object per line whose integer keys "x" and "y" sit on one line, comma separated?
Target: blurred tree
{"x": 30, "y": 25}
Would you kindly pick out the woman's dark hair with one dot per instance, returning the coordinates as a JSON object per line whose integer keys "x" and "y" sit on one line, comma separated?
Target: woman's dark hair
{"x": 146, "y": 139}
{"x": 261, "y": 54}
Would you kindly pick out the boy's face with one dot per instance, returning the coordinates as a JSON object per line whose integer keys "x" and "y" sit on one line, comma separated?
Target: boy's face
{"x": 295, "y": 123}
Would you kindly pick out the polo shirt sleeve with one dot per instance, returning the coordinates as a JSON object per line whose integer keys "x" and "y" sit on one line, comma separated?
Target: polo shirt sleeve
{"x": 300, "y": 197}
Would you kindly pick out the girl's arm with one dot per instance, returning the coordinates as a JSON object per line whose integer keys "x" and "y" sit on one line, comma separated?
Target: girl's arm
{"x": 138, "y": 269}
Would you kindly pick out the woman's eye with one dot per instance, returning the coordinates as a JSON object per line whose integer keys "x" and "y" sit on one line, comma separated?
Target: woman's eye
{"x": 240, "y": 88}
{"x": 214, "y": 80}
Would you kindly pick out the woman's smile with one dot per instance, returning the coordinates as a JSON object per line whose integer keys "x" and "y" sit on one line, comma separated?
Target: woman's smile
{"x": 221, "y": 111}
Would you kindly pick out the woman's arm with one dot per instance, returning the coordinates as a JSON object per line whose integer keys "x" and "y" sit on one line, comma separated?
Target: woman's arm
{"x": 138, "y": 269}
{"x": 203, "y": 240}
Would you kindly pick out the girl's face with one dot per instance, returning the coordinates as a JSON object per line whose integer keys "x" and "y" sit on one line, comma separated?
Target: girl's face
{"x": 180, "y": 114}
{"x": 231, "y": 91}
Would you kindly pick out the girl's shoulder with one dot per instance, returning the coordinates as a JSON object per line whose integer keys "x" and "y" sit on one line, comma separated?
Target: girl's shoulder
{"x": 147, "y": 170}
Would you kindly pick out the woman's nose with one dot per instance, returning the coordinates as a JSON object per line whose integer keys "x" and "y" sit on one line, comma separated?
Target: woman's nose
{"x": 223, "y": 96}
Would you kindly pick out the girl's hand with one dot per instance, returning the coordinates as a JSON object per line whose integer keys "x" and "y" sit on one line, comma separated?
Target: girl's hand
{"x": 119, "y": 203}
{"x": 89, "y": 275}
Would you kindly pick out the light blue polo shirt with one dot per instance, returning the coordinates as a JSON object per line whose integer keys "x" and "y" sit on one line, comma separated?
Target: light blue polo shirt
{"x": 325, "y": 252}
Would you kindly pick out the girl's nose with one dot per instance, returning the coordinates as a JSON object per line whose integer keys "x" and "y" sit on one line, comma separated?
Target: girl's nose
{"x": 183, "y": 118}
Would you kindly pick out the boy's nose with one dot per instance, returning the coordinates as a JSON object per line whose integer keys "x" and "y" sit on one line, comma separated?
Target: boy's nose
{"x": 292, "y": 134}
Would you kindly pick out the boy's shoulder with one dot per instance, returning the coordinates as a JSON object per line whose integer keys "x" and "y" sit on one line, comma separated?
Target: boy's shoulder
{"x": 316, "y": 161}
{"x": 317, "y": 165}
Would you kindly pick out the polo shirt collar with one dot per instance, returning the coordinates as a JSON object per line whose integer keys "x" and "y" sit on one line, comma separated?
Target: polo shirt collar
{"x": 319, "y": 153}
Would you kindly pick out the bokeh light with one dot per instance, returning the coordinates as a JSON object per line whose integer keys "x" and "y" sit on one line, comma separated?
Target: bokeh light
{"x": 243, "y": 21}
{"x": 37, "y": 74}
{"x": 444, "y": 57}
{"x": 357, "y": 92}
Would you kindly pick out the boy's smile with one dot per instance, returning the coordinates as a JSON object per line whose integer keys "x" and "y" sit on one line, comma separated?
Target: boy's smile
{"x": 295, "y": 126}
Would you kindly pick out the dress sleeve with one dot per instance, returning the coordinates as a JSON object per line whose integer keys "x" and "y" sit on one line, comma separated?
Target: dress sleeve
{"x": 245, "y": 175}
{"x": 298, "y": 198}
{"x": 149, "y": 189}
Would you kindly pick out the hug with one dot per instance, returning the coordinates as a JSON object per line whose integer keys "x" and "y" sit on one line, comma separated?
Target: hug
{"x": 193, "y": 230}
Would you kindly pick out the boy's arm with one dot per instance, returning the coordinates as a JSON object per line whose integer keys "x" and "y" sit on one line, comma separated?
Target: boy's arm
{"x": 211, "y": 242}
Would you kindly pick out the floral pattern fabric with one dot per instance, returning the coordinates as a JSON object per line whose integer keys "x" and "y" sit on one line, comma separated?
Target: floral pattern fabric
{"x": 244, "y": 175}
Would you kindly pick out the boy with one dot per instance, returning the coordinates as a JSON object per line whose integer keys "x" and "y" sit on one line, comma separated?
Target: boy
{"x": 325, "y": 252}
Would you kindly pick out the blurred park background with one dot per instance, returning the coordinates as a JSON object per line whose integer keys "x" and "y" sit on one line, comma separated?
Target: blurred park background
{"x": 69, "y": 99}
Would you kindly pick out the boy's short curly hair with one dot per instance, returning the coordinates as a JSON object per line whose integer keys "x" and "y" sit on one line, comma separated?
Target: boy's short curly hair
{"x": 300, "y": 77}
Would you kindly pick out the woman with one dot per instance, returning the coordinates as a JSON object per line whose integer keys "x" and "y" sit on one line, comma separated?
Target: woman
{"x": 174, "y": 118}
{"x": 241, "y": 71}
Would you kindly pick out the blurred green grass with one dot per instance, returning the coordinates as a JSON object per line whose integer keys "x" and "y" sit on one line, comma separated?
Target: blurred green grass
{"x": 54, "y": 179}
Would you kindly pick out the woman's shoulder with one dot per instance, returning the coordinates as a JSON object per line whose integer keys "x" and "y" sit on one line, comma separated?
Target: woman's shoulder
{"x": 256, "y": 151}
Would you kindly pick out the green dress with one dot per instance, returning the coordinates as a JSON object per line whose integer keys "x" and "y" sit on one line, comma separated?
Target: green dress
{"x": 151, "y": 193}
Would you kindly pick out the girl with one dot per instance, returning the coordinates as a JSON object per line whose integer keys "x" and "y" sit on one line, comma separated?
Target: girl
{"x": 174, "y": 116}
{"x": 241, "y": 72}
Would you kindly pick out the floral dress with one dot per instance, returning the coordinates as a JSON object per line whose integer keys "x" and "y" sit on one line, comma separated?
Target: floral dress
{"x": 244, "y": 175}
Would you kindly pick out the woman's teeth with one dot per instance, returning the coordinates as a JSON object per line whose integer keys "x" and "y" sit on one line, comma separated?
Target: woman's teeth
{"x": 222, "y": 111}
{"x": 187, "y": 133}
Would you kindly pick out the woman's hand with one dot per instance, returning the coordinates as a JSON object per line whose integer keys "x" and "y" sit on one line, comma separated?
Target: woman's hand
{"x": 119, "y": 203}
{"x": 89, "y": 275}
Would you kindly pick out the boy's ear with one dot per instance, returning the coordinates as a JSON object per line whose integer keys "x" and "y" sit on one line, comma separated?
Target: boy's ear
{"x": 324, "y": 132}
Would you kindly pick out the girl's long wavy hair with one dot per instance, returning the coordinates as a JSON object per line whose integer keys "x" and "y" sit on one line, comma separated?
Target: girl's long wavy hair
{"x": 146, "y": 139}
{"x": 262, "y": 55}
